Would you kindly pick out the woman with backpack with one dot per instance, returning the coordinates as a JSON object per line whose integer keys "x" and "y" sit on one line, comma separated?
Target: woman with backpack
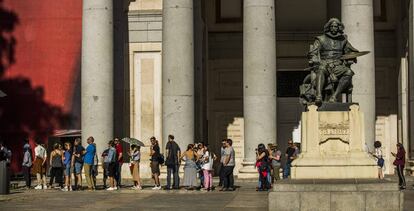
{"x": 380, "y": 158}
{"x": 111, "y": 159}
{"x": 263, "y": 167}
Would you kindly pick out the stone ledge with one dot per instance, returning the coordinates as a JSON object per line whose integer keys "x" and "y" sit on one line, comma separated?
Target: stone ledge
{"x": 335, "y": 195}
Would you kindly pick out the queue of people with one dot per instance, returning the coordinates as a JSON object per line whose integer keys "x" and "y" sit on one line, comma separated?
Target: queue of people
{"x": 67, "y": 162}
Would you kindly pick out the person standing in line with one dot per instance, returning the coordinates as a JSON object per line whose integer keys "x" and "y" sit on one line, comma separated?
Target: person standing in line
{"x": 399, "y": 162}
{"x": 56, "y": 165}
{"x": 67, "y": 163}
{"x": 275, "y": 156}
{"x": 119, "y": 163}
{"x": 380, "y": 158}
{"x": 290, "y": 156}
{"x": 39, "y": 166}
{"x": 229, "y": 163}
{"x": 263, "y": 167}
{"x": 89, "y": 162}
{"x": 207, "y": 169}
{"x": 105, "y": 167}
{"x": 155, "y": 165}
{"x": 94, "y": 172}
{"x": 111, "y": 160}
{"x": 221, "y": 166}
{"x": 173, "y": 153}
{"x": 199, "y": 162}
{"x": 190, "y": 171}
{"x": 135, "y": 159}
{"x": 27, "y": 165}
{"x": 77, "y": 160}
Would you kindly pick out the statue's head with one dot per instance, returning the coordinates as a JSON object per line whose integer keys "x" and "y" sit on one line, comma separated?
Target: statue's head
{"x": 334, "y": 27}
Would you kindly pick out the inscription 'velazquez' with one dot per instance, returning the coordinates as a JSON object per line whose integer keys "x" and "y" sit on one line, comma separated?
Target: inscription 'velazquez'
{"x": 334, "y": 131}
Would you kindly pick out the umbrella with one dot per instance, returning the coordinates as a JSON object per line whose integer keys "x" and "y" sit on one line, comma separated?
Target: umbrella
{"x": 133, "y": 141}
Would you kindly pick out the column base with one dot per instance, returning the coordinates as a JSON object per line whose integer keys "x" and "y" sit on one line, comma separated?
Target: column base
{"x": 248, "y": 171}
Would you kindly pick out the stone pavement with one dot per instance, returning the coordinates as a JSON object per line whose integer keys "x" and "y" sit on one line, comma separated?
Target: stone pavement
{"x": 244, "y": 198}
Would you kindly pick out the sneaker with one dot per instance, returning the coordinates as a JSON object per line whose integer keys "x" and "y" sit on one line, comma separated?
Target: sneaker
{"x": 156, "y": 188}
{"x": 70, "y": 188}
{"x": 139, "y": 187}
{"x": 134, "y": 187}
{"x": 39, "y": 187}
{"x": 45, "y": 187}
{"x": 65, "y": 189}
{"x": 111, "y": 188}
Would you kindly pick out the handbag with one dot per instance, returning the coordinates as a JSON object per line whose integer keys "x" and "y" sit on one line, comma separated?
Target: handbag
{"x": 380, "y": 162}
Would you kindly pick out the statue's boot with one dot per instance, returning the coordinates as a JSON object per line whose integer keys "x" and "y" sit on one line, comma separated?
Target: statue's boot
{"x": 342, "y": 85}
{"x": 318, "y": 100}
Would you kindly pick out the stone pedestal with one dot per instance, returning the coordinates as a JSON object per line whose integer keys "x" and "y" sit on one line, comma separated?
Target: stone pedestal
{"x": 326, "y": 195}
{"x": 333, "y": 146}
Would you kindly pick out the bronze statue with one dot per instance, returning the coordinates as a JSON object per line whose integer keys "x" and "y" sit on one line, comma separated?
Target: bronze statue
{"x": 330, "y": 60}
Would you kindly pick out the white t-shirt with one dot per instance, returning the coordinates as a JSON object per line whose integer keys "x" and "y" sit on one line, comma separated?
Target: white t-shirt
{"x": 40, "y": 152}
{"x": 209, "y": 164}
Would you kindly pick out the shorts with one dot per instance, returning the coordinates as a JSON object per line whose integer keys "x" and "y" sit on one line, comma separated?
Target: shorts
{"x": 68, "y": 170}
{"x": 111, "y": 170}
{"x": 78, "y": 168}
{"x": 155, "y": 167}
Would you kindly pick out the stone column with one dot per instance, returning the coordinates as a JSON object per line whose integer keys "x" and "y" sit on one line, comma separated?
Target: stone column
{"x": 357, "y": 15}
{"x": 97, "y": 72}
{"x": 259, "y": 78}
{"x": 411, "y": 80}
{"x": 178, "y": 71}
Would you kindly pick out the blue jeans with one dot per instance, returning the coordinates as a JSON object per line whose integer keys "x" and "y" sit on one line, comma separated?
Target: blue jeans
{"x": 78, "y": 168}
{"x": 118, "y": 169}
{"x": 286, "y": 171}
{"x": 173, "y": 169}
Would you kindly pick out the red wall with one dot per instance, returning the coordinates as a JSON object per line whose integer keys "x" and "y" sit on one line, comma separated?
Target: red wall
{"x": 41, "y": 76}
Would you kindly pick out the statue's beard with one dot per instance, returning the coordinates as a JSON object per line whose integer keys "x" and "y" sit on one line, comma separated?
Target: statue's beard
{"x": 338, "y": 34}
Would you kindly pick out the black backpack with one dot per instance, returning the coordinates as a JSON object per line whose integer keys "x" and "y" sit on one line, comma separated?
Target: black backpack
{"x": 161, "y": 159}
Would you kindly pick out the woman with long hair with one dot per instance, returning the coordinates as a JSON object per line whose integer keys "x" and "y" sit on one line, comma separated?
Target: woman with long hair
{"x": 207, "y": 168}
{"x": 135, "y": 159}
{"x": 190, "y": 170}
{"x": 263, "y": 166}
{"x": 399, "y": 162}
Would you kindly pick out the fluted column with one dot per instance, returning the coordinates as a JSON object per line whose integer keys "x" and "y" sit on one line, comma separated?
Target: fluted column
{"x": 357, "y": 16}
{"x": 97, "y": 72}
{"x": 178, "y": 71}
{"x": 259, "y": 77}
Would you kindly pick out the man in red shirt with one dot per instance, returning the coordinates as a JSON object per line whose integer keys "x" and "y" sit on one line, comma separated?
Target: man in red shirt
{"x": 118, "y": 147}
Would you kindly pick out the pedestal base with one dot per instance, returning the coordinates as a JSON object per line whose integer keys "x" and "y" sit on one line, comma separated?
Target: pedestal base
{"x": 353, "y": 166}
{"x": 333, "y": 145}
{"x": 326, "y": 195}
{"x": 248, "y": 171}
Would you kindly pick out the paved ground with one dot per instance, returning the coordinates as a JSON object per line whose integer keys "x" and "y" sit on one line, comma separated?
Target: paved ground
{"x": 244, "y": 198}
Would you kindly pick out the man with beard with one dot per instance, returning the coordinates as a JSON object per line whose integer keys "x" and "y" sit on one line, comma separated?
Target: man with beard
{"x": 326, "y": 57}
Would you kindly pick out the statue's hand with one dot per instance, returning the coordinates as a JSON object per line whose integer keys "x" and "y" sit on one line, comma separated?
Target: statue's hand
{"x": 313, "y": 63}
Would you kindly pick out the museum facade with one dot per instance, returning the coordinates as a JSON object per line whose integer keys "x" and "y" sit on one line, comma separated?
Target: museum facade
{"x": 207, "y": 70}
{"x": 202, "y": 70}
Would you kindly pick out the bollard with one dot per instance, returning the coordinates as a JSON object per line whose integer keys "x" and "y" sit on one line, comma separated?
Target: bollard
{"x": 4, "y": 178}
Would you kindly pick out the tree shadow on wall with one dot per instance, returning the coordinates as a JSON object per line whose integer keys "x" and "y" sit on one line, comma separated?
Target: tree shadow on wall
{"x": 24, "y": 111}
